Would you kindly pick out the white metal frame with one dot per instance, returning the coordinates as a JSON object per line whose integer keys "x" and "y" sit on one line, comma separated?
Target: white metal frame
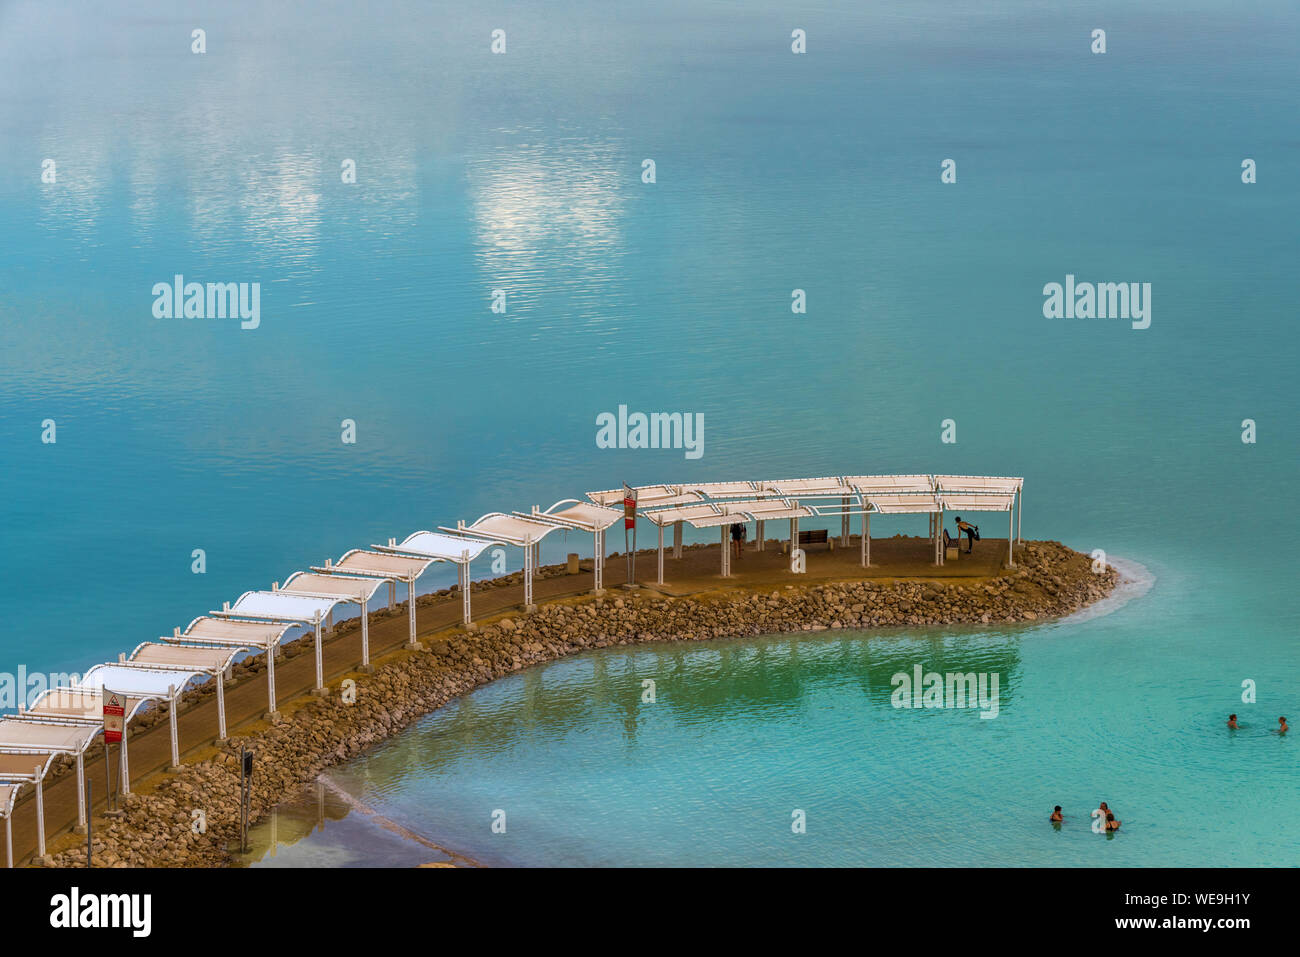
{"x": 362, "y": 602}
{"x": 315, "y": 623}
{"x": 531, "y": 544}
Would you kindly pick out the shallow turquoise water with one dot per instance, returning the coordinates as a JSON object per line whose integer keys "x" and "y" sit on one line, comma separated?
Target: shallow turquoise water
{"x": 743, "y": 733}
{"x": 775, "y": 172}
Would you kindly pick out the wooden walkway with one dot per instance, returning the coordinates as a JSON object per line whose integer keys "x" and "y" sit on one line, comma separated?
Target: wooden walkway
{"x": 697, "y": 571}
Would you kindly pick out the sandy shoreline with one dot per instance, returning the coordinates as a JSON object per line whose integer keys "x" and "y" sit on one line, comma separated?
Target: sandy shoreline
{"x": 1051, "y": 581}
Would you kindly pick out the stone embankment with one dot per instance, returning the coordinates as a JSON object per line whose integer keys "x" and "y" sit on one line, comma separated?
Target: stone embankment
{"x": 161, "y": 827}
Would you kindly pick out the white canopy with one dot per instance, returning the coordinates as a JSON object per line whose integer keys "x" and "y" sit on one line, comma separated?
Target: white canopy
{"x": 139, "y": 682}
{"x": 648, "y": 496}
{"x": 511, "y": 529}
{"x": 172, "y": 655}
{"x": 446, "y": 548}
{"x": 903, "y": 504}
{"x": 965, "y": 502}
{"x": 724, "y": 489}
{"x": 380, "y": 564}
{"x": 25, "y": 766}
{"x": 581, "y": 515}
{"x": 811, "y": 486}
{"x": 681, "y": 513}
{"x": 890, "y": 483}
{"x": 978, "y": 483}
{"x": 60, "y": 736}
{"x": 232, "y": 631}
{"x": 713, "y": 514}
{"x": 349, "y": 588}
{"x": 281, "y": 606}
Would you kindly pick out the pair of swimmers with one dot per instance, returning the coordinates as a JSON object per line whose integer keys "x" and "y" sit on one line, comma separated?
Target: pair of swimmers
{"x": 1282, "y": 726}
{"x": 1103, "y": 812}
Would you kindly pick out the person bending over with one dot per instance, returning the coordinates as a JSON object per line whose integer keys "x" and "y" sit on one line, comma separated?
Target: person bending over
{"x": 970, "y": 531}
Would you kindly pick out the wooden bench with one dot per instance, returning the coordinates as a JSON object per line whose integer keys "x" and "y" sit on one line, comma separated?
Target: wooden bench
{"x": 816, "y": 536}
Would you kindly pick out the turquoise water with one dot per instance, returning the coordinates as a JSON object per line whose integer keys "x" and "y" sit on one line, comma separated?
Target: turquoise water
{"x": 820, "y": 172}
{"x": 742, "y": 734}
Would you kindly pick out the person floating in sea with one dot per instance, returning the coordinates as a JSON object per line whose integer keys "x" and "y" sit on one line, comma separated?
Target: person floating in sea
{"x": 1057, "y": 817}
{"x": 1282, "y": 726}
{"x": 738, "y": 538}
{"x": 1111, "y": 823}
{"x": 972, "y": 533}
{"x": 1232, "y": 722}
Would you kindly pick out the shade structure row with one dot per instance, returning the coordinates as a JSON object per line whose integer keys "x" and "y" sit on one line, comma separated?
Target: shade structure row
{"x": 714, "y": 504}
{"x": 65, "y": 721}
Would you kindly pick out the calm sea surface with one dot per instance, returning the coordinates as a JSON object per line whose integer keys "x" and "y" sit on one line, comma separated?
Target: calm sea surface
{"x": 775, "y": 172}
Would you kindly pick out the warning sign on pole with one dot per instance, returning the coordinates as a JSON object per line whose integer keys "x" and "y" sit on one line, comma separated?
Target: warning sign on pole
{"x": 114, "y": 712}
{"x": 629, "y": 531}
{"x": 629, "y": 507}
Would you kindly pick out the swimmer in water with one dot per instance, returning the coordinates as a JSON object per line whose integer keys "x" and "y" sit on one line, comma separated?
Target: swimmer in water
{"x": 1056, "y": 817}
{"x": 1232, "y": 722}
{"x": 1111, "y": 823}
{"x": 1282, "y": 727}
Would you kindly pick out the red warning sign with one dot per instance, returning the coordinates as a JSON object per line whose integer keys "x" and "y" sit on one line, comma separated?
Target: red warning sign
{"x": 114, "y": 713}
{"x": 629, "y": 507}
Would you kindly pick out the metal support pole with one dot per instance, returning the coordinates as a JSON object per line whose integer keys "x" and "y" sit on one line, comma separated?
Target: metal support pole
{"x": 270, "y": 676}
{"x": 1011, "y": 553}
{"x": 40, "y": 813}
{"x": 866, "y": 517}
{"x": 600, "y": 559}
{"x": 221, "y": 705}
{"x": 661, "y": 554}
{"x": 124, "y": 762}
{"x": 528, "y": 577}
{"x": 410, "y": 602}
{"x": 81, "y": 789}
{"x": 392, "y": 595}
{"x": 1020, "y": 498}
{"x": 726, "y": 551}
{"x": 365, "y": 634}
{"x": 464, "y": 592}
{"x": 677, "y": 539}
{"x": 173, "y": 699}
{"x": 943, "y": 554}
{"x": 844, "y": 523}
{"x": 759, "y": 532}
{"x": 9, "y": 842}
{"x": 320, "y": 659}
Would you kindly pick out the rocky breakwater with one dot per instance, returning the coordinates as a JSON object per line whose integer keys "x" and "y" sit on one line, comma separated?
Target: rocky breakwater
{"x": 192, "y": 816}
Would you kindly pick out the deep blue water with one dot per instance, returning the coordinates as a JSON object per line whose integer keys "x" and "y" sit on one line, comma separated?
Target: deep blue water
{"x": 819, "y": 172}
